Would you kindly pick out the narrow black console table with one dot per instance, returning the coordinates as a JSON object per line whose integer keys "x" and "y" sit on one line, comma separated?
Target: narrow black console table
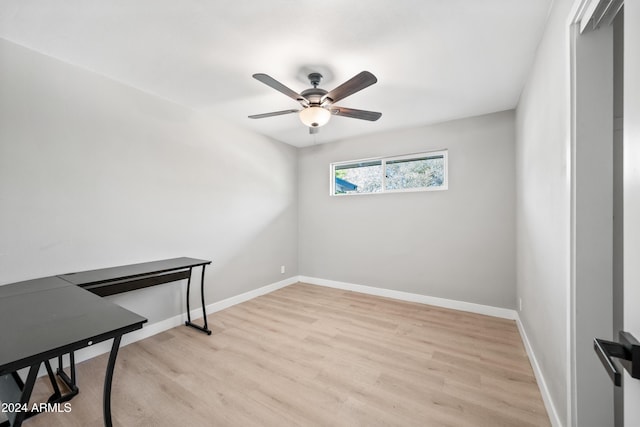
{"x": 115, "y": 280}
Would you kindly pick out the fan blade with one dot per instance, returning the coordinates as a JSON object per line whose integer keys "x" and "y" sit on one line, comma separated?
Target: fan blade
{"x": 313, "y": 130}
{"x": 355, "y": 84}
{"x": 273, "y": 83}
{"x": 356, "y": 114}
{"x": 275, "y": 113}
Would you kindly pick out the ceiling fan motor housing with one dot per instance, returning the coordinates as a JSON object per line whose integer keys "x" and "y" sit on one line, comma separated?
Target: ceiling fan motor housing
{"x": 314, "y": 95}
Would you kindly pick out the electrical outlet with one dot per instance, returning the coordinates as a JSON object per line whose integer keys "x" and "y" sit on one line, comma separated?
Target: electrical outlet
{"x": 282, "y": 269}
{"x": 520, "y": 304}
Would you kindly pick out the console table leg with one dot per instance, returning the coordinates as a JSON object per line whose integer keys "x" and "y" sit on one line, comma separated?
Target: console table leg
{"x": 188, "y": 307}
{"x": 108, "y": 379}
{"x": 204, "y": 307}
{"x": 204, "y": 328}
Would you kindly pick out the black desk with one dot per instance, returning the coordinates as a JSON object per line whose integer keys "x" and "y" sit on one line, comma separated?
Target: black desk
{"x": 115, "y": 280}
{"x": 46, "y": 318}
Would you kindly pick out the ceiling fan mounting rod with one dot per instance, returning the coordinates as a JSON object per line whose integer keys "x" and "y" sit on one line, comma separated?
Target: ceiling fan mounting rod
{"x": 315, "y": 79}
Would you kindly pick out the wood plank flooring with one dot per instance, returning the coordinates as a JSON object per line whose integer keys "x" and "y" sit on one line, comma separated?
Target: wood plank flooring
{"x": 313, "y": 356}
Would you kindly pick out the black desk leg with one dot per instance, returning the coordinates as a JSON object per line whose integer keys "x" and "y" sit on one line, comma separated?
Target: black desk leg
{"x": 56, "y": 390}
{"x": 69, "y": 382}
{"x": 204, "y": 328}
{"x": 108, "y": 379}
{"x": 26, "y": 395}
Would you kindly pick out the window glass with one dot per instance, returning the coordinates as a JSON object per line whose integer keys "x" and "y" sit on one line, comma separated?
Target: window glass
{"x": 413, "y": 172}
{"x": 364, "y": 177}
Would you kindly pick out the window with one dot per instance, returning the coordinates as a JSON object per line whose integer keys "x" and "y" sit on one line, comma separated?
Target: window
{"x": 413, "y": 172}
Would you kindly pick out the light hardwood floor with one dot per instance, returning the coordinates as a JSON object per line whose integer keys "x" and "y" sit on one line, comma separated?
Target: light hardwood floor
{"x": 313, "y": 356}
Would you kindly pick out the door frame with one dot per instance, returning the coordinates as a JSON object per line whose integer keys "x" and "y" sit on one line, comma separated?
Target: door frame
{"x": 631, "y": 144}
{"x": 590, "y": 312}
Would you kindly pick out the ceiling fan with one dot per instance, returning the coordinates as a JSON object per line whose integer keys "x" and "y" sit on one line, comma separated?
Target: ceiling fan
{"x": 318, "y": 105}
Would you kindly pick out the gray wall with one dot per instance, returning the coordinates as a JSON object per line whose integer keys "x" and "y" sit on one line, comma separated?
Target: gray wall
{"x": 94, "y": 173}
{"x": 457, "y": 244}
{"x": 543, "y": 207}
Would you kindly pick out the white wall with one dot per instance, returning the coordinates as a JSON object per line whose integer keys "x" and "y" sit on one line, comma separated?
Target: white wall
{"x": 543, "y": 208}
{"x": 457, "y": 244}
{"x": 94, "y": 173}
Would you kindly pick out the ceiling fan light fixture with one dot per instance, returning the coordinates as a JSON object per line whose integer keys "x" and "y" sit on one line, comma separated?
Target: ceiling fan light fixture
{"x": 315, "y": 117}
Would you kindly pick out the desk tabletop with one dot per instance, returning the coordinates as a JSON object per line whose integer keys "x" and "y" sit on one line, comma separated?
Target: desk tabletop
{"x": 132, "y": 270}
{"x": 34, "y": 285}
{"x": 38, "y": 325}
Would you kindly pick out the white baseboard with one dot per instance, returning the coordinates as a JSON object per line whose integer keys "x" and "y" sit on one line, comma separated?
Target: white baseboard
{"x": 226, "y": 303}
{"x": 542, "y": 384}
{"x": 488, "y": 310}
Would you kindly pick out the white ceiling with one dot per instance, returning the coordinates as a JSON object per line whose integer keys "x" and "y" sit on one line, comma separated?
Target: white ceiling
{"x": 435, "y": 60}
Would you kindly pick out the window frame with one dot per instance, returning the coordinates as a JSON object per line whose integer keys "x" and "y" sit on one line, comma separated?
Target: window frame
{"x": 417, "y": 156}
